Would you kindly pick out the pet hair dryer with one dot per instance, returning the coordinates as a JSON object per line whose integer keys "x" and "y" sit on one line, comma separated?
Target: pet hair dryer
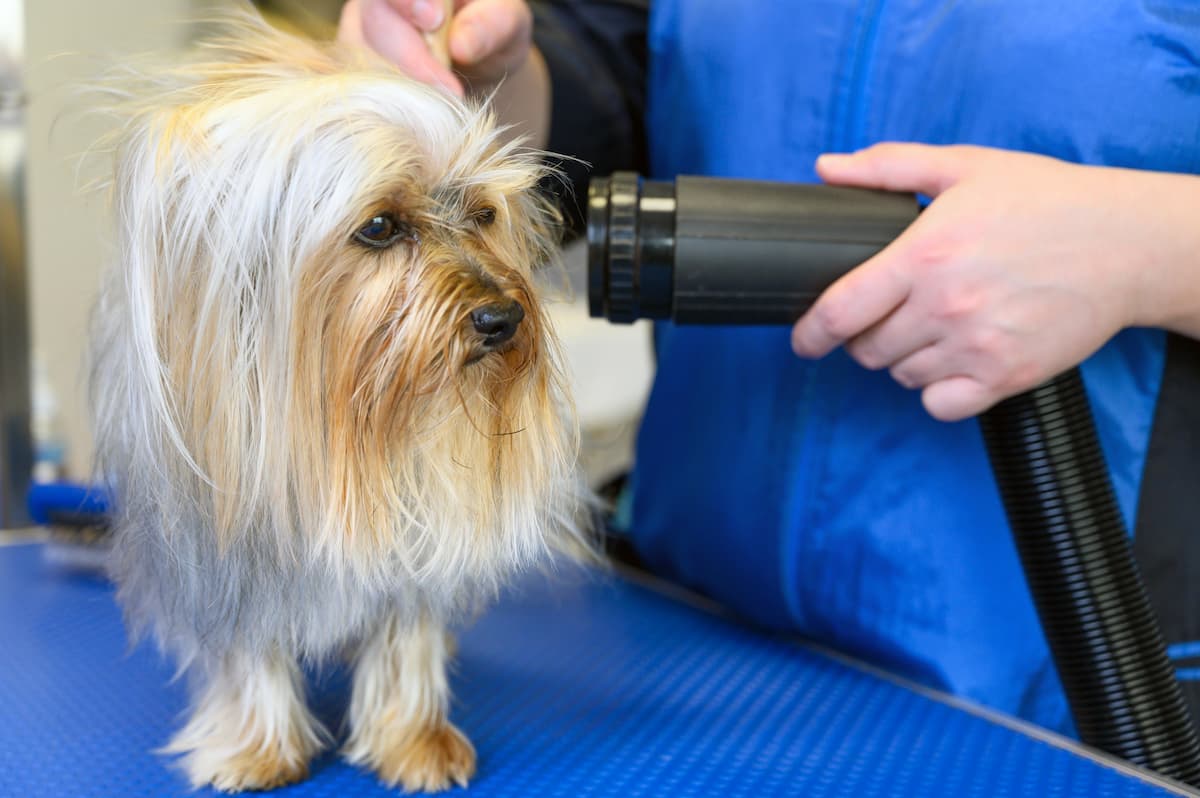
{"x": 716, "y": 251}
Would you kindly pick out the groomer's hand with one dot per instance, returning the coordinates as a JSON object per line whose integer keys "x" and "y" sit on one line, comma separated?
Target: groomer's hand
{"x": 489, "y": 39}
{"x": 1020, "y": 268}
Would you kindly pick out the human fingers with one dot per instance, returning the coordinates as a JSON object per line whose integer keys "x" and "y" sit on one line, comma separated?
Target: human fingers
{"x": 491, "y": 36}
{"x": 957, "y": 398}
{"x": 892, "y": 166}
{"x": 397, "y": 39}
{"x": 853, "y": 304}
{"x": 427, "y": 15}
{"x": 898, "y": 336}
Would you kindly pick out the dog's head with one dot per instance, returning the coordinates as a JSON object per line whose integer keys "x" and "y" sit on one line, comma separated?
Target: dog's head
{"x": 330, "y": 278}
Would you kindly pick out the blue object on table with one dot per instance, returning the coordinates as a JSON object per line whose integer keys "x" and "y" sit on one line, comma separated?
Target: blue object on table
{"x": 67, "y": 504}
{"x": 580, "y": 686}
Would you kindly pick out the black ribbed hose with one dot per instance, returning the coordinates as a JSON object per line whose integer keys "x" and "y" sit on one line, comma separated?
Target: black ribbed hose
{"x": 1073, "y": 544}
{"x": 715, "y": 251}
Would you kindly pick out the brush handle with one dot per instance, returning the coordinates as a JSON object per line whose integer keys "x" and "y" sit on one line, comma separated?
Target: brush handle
{"x": 439, "y": 40}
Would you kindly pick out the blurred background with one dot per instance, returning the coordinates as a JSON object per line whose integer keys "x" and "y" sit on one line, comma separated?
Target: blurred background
{"x": 55, "y": 241}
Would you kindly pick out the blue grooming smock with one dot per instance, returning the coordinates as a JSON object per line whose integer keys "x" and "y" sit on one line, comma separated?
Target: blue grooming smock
{"x": 819, "y": 497}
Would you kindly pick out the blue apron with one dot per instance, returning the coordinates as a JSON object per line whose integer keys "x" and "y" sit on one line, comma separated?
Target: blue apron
{"x": 819, "y": 497}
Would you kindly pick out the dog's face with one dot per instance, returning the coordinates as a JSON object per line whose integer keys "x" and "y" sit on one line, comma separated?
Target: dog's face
{"x": 334, "y": 323}
{"x": 426, "y": 296}
{"x": 419, "y": 325}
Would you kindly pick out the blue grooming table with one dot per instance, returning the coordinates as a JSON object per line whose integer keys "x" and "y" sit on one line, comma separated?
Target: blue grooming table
{"x": 583, "y": 685}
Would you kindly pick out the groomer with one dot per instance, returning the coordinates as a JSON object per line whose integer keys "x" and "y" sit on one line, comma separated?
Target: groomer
{"x": 855, "y": 505}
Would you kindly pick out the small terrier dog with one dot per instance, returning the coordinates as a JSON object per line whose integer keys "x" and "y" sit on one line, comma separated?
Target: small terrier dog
{"x": 326, "y": 395}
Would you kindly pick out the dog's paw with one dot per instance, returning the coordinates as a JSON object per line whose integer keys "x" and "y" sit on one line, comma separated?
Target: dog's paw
{"x": 429, "y": 760}
{"x": 262, "y": 769}
{"x": 227, "y": 758}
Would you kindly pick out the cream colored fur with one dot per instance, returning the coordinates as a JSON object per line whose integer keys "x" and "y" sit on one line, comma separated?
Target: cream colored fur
{"x": 398, "y": 711}
{"x": 308, "y": 445}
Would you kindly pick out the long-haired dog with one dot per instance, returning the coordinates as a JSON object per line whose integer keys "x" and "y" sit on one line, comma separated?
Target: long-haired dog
{"x": 326, "y": 395}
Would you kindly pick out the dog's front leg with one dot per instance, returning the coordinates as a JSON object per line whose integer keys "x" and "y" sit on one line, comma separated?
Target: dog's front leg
{"x": 398, "y": 711}
{"x": 250, "y": 728}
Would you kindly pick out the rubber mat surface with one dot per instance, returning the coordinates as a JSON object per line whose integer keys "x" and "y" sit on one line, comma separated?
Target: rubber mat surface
{"x": 577, "y": 687}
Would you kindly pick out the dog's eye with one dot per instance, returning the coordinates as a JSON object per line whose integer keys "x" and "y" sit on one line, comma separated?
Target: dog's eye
{"x": 383, "y": 231}
{"x": 485, "y": 216}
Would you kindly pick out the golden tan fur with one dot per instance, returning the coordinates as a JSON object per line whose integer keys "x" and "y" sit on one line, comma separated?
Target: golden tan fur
{"x": 310, "y": 442}
{"x": 398, "y": 711}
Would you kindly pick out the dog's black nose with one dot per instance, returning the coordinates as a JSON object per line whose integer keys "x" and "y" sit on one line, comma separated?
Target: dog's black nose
{"x": 498, "y": 323}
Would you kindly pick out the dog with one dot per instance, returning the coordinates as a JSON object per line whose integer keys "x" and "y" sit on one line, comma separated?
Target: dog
{"x": 327, "y": 397}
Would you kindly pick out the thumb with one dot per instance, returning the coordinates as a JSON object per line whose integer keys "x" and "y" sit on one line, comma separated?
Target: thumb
{"x": 395, "y": 38}
{"x": 919, "y": 168}
{"x": 498, "y": 31}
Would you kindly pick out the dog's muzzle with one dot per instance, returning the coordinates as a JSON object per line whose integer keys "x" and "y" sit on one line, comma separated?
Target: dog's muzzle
{"x": 498, "y": 323}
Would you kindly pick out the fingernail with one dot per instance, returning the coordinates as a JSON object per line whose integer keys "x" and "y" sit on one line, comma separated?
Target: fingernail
{"x": 832, "y": 159}
{"x": 427, "y": 15}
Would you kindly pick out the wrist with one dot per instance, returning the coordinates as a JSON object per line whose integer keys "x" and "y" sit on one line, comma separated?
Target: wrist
{"x": 521, "y": 97}
{"x": 1166, "y": 212}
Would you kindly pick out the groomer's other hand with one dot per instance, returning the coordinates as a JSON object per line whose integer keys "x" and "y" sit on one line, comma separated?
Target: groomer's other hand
{"x": 1020, "y": 268}
{"x": 488, "y": 38}
{"x": 396, "y": 30}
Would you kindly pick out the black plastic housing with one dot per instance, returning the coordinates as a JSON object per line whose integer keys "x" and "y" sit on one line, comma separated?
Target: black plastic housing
{"x": 712, "y": 251}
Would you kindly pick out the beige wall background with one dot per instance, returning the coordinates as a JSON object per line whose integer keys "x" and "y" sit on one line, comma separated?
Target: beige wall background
{"x": 67, "y": 42}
